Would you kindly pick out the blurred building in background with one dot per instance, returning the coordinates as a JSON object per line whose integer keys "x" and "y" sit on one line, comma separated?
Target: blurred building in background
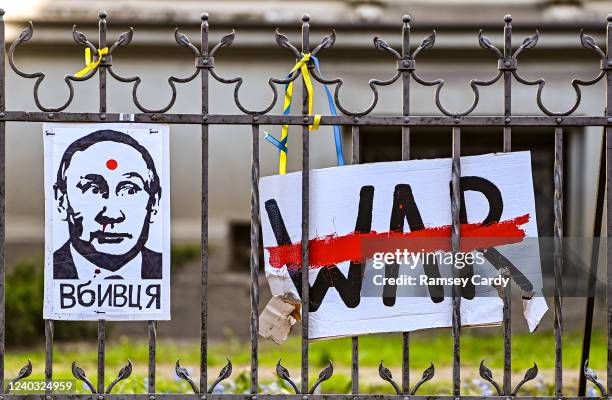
{"x": 154, "y": 55}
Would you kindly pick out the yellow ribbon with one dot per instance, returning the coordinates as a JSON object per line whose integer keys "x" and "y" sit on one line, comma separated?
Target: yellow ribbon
{"x": 302, "y": 65}
{"x": 89, "y": 63}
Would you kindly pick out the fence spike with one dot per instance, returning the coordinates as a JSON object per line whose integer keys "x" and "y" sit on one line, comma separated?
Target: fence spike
{"x": 487, "y": 375}
{"x": 591, "y": 375}
{"x": 323, "y": 376}
{"x": 24, "y": 372}
{"x": 183, "y": 374}
{"x": 223, "y": 374}
{"x": 428, "y": 374}
{"x": 283, "y": 373}
{"x": 530, "y": 374}
{"x": 385, "y": 373}
{"x": 124, "y": 373}
{"x": 79, "y": 373}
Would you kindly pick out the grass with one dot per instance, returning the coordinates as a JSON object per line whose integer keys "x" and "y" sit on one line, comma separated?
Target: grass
{"x": 425, "y": 347}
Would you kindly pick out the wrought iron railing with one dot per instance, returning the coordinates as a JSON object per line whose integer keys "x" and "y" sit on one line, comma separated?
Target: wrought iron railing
{"x": 406, "y": 69}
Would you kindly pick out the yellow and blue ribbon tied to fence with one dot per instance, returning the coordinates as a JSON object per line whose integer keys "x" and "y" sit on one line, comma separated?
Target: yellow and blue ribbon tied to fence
{"x": 281, "y": 144}
{"x": 89, "y": 63}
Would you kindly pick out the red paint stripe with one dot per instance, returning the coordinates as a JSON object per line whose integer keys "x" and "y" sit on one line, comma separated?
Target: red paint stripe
{"x": 357, "y": 247}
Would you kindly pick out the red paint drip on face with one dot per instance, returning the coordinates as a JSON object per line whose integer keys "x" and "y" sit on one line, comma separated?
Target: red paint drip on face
{"x": 111, "y": 164}
{"x": 358, "y": 247}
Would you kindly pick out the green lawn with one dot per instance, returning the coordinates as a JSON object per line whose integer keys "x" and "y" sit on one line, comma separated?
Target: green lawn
{"x": 428, "y": 346}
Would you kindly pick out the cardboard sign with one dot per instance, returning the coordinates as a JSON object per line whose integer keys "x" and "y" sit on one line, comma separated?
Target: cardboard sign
{"x": 358, "y": 212}
{"x": 107, "y": 222}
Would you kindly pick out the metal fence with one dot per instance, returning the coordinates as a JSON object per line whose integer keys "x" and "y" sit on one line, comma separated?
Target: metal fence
{"x": 406, "y": 73}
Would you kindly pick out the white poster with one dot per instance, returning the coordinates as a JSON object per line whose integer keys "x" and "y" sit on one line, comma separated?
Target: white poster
{"x": 362, "y": 282}
{"x": 107, "y": 222}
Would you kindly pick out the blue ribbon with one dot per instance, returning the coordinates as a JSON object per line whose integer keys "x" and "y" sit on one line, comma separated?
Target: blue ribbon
{"x": 332, "y": 110}
{"x": 277, "y": 143}
{"x": 281, "y": 145}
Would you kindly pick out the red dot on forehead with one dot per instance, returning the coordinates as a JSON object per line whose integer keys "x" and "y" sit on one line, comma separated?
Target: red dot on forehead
{"x": 111, "y": 164}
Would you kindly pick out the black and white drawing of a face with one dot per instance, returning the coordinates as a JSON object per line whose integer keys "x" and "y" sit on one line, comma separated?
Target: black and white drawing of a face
{"x": 108, "y": 187}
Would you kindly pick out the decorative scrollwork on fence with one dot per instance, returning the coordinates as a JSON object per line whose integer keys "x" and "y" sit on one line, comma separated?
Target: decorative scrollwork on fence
{"x": 530, "y": 374}
{"x": 428, "y": 374}
{"x": 591, "y": 376}
{"x": 23, "y": 373}
{"x": 487, "y": 375}
{"x": 406, "y": 65}
{"x": 80, "y": 374}
{"x": 373, "y": 83}
{"x": 284, "y": 42}
{"x": 439, "y": 83}
{"x": 283, "y": 373}
{"x": 385, "y": 374}
{"x": 182, "y": 40}
{"x": 183, "y": 374}
{"x": 124, "y": 373}
{"x": 25, "y": 36}
{"x": 587, "y": 42}
{"x": 225, "y": 373}
{"x": 324, "y": 375}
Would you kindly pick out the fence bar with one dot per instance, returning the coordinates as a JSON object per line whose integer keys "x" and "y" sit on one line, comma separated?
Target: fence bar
{"x": 204, "y": 217}
{"x": 406, "y": 156}
{"x": 455, "y": 238}
{"x": 507, "y": 316}
{"x": 254, "y": 255}
{"x": 558, "y": 234}
{"x": 48, "y": 355}
{"x": 152, "y": 333}
{"x": 267, "y": 396}
{"x": 507, "y": 147}
{"x": 609, "y": 225}
{"x": 355, "y": 339}
{"x": 590, "y": 301}
{"x": 271, "y": 119}
{"x": 101, "y": 354}
{"x": 305, "y": 214}
{"x": 2, "y": 194}
{"x": 102, "y": 95}
{"x": 355, "y": 144}
{"x": 102, "y": 71}
{"x": 355, "y": 364}
{"x": 608, "y": 112}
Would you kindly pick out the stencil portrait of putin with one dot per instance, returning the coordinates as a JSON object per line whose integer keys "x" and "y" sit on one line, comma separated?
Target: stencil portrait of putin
{"x": 107, "y": 190}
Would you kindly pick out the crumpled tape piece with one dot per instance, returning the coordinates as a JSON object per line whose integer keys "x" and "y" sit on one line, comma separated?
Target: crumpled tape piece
{"x": 280, "y": 314}
{"x": 533, "y": 310}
